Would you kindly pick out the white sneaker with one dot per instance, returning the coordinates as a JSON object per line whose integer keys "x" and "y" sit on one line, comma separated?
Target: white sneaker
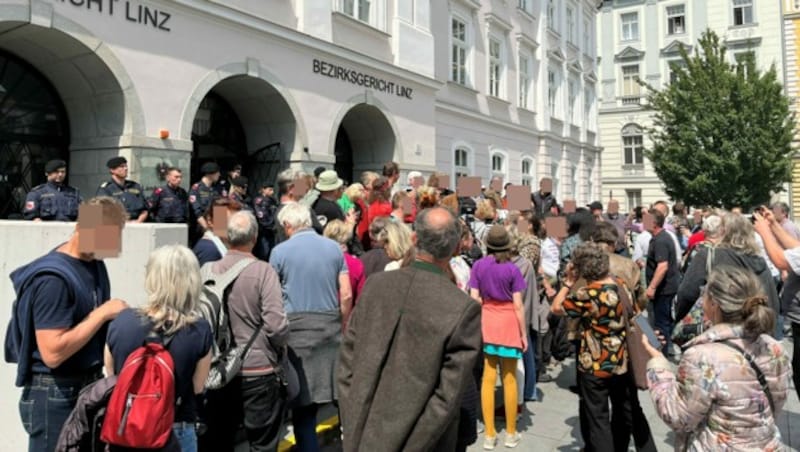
{"x": 489, "y": 442}
{"x": 513, "y": 440}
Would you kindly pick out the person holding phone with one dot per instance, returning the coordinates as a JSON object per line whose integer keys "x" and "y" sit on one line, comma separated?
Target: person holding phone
{"x": 715, "y": 400}
{"x": 603, "y": 373}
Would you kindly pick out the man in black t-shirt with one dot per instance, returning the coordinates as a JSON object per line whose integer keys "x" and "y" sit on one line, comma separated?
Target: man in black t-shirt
{"x": 662, "y": 275}
{"x": 330, "y": 190}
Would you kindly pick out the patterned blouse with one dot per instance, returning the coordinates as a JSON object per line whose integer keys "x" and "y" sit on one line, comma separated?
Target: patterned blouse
{"x": 603, "y": 352}
{"x": 713, "y": 401}
{"x": 530, "y": 247}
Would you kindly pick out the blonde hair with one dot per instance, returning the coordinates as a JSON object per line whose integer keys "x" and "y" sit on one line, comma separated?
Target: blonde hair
{"x": 485, "y": 210}
{"x": 427, "y": 197}
{"x": 172, "y": 282}
{"x": 338, "y": 231}
{"x": 368, "y": 177}
{"x": 397, "y": 239}
{"x": 354, "y": 191}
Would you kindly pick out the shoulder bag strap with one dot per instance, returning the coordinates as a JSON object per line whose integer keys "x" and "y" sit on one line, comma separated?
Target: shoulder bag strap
{"x": 709, "y": 260}
{"x": 762, "y": 379}
{"x": 622, "y": 291}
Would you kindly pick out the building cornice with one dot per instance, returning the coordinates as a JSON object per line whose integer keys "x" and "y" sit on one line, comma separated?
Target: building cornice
{"x": 526, "y": 40}
{"x": 557, "y": 55}
{"x": 629, "y": 54}
{"x": 674, "y": 48}
{"x": 495, "y": 21}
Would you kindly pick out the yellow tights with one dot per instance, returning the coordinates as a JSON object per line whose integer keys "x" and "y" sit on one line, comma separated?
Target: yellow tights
{"x": 508, "y": 367}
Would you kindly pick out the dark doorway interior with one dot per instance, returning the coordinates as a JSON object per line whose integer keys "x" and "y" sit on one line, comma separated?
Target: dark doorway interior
{"x": 344, "y": 156}
{"x": 364, "y": 142}
{"x": 217, "y": 135}
{"x": 33, "y": 130}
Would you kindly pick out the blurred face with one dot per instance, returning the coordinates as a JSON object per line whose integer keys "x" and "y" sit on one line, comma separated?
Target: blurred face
{"x": 214, "y": 177}
{"x": 523, "y": 225}
{"x": 121, "y": 171}
{"x": 234, "y": 174}
{"x": 779, "y": 214}
{"x": 697, "y": 216}
{"x": 174, "y": 178}
{"x": 663, "y": 209}
{"x": 57, "y": 176}
{"x": 267, "y": 191}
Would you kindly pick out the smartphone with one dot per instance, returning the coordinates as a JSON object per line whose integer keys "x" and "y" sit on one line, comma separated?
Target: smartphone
{"x": 644, "y": 326}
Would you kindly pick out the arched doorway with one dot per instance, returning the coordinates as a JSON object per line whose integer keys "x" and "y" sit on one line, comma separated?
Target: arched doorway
{"x": 33, "y": 130}
{"x": 244, "y": 120}
{"x": 365, "y": 141}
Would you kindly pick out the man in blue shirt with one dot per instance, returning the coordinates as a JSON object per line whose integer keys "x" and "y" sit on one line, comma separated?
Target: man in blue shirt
{"x": 128, "y": 192}
{"x": 54, "y": 200}
{"x": 58, "y": 324}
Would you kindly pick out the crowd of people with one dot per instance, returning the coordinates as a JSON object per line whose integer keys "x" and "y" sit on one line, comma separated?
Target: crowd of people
{"x": 405, "y": 303}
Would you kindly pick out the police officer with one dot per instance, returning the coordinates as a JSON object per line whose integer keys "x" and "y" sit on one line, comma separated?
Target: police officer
{"x": 223, "y": 186}
{"x": 238, "y": 192}
{"x": 170, "y": 203}
{"x": 128, "y": 192}
{"x": 54, "y": 200}
{"x": 202, "y": 194}
{"x": 265, "y": 207}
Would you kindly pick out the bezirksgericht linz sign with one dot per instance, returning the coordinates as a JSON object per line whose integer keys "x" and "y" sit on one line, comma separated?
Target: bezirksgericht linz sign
{"x": 361, "y": 79}
{"x": 132, "y": 11}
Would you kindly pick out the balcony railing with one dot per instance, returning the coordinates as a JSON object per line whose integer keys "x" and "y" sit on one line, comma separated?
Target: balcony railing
{"x": 635, "y": 99}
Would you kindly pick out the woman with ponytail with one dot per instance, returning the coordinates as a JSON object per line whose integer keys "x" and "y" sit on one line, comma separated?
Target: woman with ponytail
{"x": 733, "y": 379}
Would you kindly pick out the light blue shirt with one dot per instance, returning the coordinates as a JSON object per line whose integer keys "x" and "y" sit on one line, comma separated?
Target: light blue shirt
{"x": 309, "y": 266}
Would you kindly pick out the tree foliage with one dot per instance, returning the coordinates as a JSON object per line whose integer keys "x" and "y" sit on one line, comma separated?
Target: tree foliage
{"x": 722, "y": 132}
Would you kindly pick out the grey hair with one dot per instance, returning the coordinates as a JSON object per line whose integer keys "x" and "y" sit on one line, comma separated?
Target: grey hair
{"x": 295, "y": 215}
{"x": 738, "y": 234}
{"x": 286, "y": 178}
{"x": 172, "y": 283}
{"x": 711, "y": 226}
{"x": 242, "y": 228}
{"x": 439, "y": 242}
{"x": 783, "y": 206}
{"x": 741, "y": 299}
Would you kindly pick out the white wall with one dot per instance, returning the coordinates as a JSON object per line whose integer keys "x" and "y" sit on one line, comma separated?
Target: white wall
{"x": 24, "y": 241}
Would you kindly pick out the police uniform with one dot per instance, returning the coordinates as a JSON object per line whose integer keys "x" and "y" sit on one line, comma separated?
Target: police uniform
{"x": 169, "y": 205}
{"x": 52, "y": 202}
{"x": 223, "y": 188}
{"x": 200, "y": 197}
{"x": 245, "y": 202}
{"x": 130, "y": 194}
{"x": 264, "y": 208}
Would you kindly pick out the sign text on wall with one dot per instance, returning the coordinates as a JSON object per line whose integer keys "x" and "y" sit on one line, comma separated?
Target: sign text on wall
{"x": 361, "y": 79}
{"x": 135, "y": 12}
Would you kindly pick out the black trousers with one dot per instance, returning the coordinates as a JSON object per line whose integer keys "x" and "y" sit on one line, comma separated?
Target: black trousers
{"x": 611, "y": 432}
{"x": 796, "y": 357}
{"x": 259, "y": 403}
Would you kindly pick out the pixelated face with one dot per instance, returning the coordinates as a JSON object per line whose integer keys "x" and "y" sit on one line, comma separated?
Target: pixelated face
{"x": 613, "y": 207}
{"x": 220, "y": 223}
{"x": 99, "y": 231}
{"x": 58, "y": 175}
{"x": 546, "y": 185}
{"x": 519, "y": 197}
{"x": 174, "y": 178}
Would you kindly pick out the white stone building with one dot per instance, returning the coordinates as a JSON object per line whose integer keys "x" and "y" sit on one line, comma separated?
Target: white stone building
{"x": 640, "y": 39}
{"x": 518, "y": 94}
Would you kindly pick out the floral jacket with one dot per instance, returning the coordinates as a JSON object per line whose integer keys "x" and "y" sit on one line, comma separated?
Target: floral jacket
{"x": 715, "y": 401}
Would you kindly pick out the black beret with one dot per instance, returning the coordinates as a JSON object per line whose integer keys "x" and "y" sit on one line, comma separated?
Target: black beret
{"x": 239, "y": 181}
{"x": 209, "y": 168}
{"x": 318, "y": 170}
{"x": 54, "y": 165}
{"x": 116, "y": 162}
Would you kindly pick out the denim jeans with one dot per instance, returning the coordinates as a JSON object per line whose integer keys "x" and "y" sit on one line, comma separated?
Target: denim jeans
{"x": 529, "y": 361}
{"x": 45, "y": 404}
{"x": 662, "y": 318}
{"x": 186, "y": 435}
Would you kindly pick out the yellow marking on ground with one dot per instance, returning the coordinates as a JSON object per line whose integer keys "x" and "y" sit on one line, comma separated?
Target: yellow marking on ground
{"x": 324, "y": 426}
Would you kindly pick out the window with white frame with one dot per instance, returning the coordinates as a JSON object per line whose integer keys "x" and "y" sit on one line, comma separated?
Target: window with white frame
{"x": 371, "y": 12}
{"x": 632, "y": 145}
{"x": 630, "y": 26}
{"x": 676, "y": 20}
{"x": 461, "y": 163}
{"x": 552, "y": 89}
{"x": 495, "y": 67}
{"x": 526, "y": 5}
{"x": 552, "y": 15}
{"x": 555, "y": 170}
{"x": 459, "y": 51}
{"x": 634, "y": 199}
{"x": 572, "y": 94}
{"x": 525, "y": 72}
{"x": 587, "y": 37}
{"x": 742, "y": 12}
{"x": 528, "y": 174}
{"x": 631, "y": 91}
{"x": 571, "y": 32}
{"x": 498, "y": 165}
{"x": 674, "y": 67}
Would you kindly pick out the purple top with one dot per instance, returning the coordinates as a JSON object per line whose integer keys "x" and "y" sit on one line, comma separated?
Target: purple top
{"x": 496, "y": 281}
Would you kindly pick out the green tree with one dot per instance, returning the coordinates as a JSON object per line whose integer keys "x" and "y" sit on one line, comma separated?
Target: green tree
{"x": 722, "y": 132}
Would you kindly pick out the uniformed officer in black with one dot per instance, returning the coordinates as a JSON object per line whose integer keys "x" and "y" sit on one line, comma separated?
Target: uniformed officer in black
{"x": 238, "y": 192}
{"x": 128, "y": 192}
{"x": 224, "y": 186}
{"x": 202, "y": 194}
{"x": 54, "y": 200}
{"x": 265, "y": 206}
{"x": 170, "y": 203}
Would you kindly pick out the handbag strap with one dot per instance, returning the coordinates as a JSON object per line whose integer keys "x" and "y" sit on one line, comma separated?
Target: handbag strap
{"x": 762, "y": 379}
{"x": 709, "y": 260}
{"x": 622, "y": 291}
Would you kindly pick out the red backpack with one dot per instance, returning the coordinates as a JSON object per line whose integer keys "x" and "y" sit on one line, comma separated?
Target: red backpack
{"x": 141, "y": 409}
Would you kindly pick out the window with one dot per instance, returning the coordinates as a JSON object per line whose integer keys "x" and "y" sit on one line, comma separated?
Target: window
{"x": 634, "y": 198}
{"x": 632, "y": 145}
{"x": 676, "y": 20}
{"x": 551, "y": 92}
{"x": 525, "y": 81}
{"x": 498, "y": 165}
{"x": 461, "y": 166}
{"x": 459, "y": 49}
{"x": 525, "y": 5}
{"x": 573, "y": 97}
{"x": 357, "y": 8}
{"x": 674, "y": 67}
{"x": 571, "y": 25}
{"x": 551, "y": 15}
{"x": 527, "y": 172}
{"x": 630, "y": 26}
{"x": 495, "y": 67}
{"x": 587, "y": 37}
{"x": 742, "y": 12}
{"x": 372, "y": 12}
{"x": 630, "y": 84}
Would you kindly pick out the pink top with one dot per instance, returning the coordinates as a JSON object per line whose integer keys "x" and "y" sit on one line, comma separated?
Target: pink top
{"x": 355, "y": 270}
